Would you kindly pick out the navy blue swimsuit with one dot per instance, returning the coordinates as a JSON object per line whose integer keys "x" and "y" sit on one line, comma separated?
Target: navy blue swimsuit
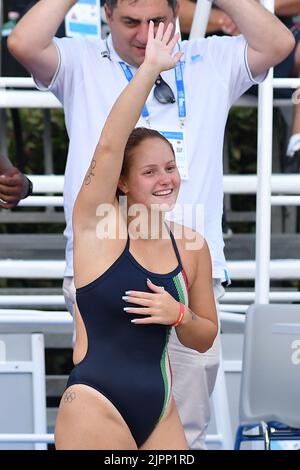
{"x": 127, "y": 363}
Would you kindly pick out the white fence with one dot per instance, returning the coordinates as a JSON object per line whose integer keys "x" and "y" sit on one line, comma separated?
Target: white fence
{"x": 270, "y": 190}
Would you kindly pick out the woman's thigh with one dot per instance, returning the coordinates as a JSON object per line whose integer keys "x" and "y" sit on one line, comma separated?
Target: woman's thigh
{"x": 88, "y": 420}
{"x": 169, "y": 433}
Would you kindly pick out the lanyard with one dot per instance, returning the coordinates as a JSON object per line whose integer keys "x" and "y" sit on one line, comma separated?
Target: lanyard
{"x": 129, "y": 75}
{"x": 180, "y": 91}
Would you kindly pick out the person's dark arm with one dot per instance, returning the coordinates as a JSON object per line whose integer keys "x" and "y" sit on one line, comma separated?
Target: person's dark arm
{"x": 287, "y": 7}
{"x": 14, "y": 186}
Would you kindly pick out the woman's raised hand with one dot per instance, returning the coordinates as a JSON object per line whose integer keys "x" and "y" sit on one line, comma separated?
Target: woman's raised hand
{"x": 159, "y": 50}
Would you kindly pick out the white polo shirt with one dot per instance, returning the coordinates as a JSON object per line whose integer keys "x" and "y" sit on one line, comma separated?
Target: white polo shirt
{"x": 87, "y": 82}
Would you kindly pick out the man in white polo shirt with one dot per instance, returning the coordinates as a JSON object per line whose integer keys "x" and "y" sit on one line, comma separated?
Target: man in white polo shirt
{"x": 189, "y": 105}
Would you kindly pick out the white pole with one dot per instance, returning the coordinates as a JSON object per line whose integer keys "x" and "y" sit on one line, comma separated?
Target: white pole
{"x": 27, "y": 82}
{"x": 264, "y": 171}
{"x": 42, "y": 201}
{"x": 47, "y": 183}
{"x": 249, "y": 297}
{"x": 42, "y": 301}
{"x": 200, "y": 19}
{"x": 248, "y": 184}
{"x": 285, "y": 201}
{"x": 25, "y": 438}
{"x": 37, "y": 269}
{"x": 28, "y": 99}
{"x": 32, "y": 300}
{"x": 39, "y": 387}
{"x": 21, "y": 82}
{"x": 286, "y": 82}
{"x": 233, "y": 184}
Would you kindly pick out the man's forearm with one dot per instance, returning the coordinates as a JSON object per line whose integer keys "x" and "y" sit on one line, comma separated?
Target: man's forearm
{"x": 41, "y": 22}
{"x": 186, "y": 14}
{"x": 284, "y": 7}
{"x": 5, "y": 164}
{"x": 214, "y": 22}
{"x": 287, "y": 7}
{"x": 262, "y": 30}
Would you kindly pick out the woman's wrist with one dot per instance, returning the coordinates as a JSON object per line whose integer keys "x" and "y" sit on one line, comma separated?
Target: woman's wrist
{"x": 187, "y": 316}
{"x": 150, "y": 69}
{"x": 180, "y": 317}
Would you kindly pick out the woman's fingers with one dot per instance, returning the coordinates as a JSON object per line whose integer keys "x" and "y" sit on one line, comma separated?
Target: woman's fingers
{"x": 177, "y": 57}
{"x": 138, "y": 301}
{"x": 139, "y": 311}
{"x": 160, "y": 31}
{"x": 173, "y": 41}
{"x": 151, "y": 30}
{"x": 160, "y": 45}
{"x": 146, "y": 321}
{"x": 154, "y": 287}
{"x": 167, "y": 34}
{"x": 139, "y": 294}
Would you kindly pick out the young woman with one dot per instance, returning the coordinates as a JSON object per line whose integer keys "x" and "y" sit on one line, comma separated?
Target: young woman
{"x": 134, "y": 282}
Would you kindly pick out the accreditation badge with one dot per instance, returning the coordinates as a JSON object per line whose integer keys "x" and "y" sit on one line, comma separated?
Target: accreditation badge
{"x": 176, "y": 139}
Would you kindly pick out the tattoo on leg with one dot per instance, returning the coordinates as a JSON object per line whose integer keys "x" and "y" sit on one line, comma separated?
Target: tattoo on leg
{"x": 90, "y": 173}
{"x": 69, "y": 397}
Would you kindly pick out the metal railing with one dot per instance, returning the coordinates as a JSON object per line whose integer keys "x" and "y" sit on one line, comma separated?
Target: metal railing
{"x": 269, "y": 189}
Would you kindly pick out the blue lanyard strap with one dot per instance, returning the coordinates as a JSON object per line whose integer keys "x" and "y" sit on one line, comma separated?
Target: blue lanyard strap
{"x": 129, "y": 75}
{"x": 180, "y": 91}
{"x": 179, "y": 85}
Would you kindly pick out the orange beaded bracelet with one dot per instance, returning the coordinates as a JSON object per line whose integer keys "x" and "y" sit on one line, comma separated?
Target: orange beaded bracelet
{"x": 180, "y": 316}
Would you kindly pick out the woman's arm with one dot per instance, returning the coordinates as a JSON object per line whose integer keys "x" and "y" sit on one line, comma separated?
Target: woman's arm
{"x": 199, "y": 326}
{"x": 102, "y": 178}
{"x": 287, "y": 7}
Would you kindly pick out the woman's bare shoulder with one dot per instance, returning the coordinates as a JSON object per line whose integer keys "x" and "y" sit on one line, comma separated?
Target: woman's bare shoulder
{"x": 189, "y": 239}
{"x": 194, "y": 253}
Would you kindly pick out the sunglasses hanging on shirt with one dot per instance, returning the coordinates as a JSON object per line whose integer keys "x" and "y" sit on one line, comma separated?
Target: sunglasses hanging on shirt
{"x": 163, "y": 92}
